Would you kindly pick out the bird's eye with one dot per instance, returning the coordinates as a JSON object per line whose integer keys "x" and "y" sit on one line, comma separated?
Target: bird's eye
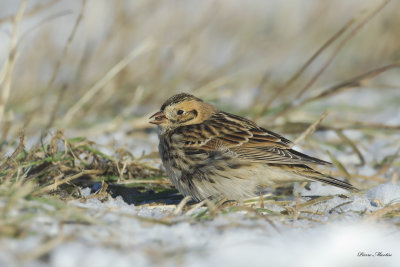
{"x": 180, "y": 112}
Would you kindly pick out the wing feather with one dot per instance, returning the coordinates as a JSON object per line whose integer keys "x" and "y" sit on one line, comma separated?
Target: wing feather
{"x": 224, "y": 131}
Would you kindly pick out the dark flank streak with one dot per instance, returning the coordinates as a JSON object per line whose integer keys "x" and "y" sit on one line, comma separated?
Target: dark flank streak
{"x": 235, "y": 137}
{"x": 236, "y": 165}
{"x": 210, "y": 129}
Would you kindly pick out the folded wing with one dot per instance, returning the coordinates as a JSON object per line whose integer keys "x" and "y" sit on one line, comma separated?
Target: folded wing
{"x": 225, "y": 131}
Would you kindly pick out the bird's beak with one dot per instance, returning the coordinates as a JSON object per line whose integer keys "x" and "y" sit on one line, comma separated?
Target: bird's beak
{"x": 158, "y": 118}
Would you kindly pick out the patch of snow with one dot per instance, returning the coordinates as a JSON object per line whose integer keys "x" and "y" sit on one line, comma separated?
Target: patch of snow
{"x": 385, "y": 193}
{"x": 89, "y": 255}
{"x": 124, "y": 237}
{"x": 318, "y": 189}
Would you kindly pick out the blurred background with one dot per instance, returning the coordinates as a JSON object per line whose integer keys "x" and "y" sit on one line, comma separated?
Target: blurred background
{"x": 102, "y": 64}
{"x": 81, "y": 77}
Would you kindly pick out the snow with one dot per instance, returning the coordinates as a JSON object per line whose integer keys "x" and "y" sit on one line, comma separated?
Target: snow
{"x": 233, "y": 240}
{"x": 385, "y": 194}
{"x": 336, "y": 231}
{"x": 318, "y": 189}
{"x": 121, "y": 237}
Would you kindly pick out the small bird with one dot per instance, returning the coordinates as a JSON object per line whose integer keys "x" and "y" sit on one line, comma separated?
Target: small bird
{"x": 208, "y": 153}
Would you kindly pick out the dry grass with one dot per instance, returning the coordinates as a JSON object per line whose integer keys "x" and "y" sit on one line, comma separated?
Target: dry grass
{"x": 95, "y": 78}
{"x": 125, "y": 67}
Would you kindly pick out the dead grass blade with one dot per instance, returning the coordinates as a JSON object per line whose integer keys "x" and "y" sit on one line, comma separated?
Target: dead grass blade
{"x": 101, "y": 194}
{"x": 43, "y": 22}
{"x": 42, "y": 249}
{"x": 367, "y": 125}
{"x": 339, "y": 165}
{"x": 354, "y": 82}
{"x": 19, "y": 149}
{"x": 339, "y": 47}
{"x": 352, "y": 145}
{"x": 55, "y": 185}
{"x": 261, "y": 199}
{"x": 195, "y": 207}
{"x": 4, "y": 133}
{"x": 314, "y": 201}
{"x": 304, "y": 67}
{"x": 395, "y": 178}
{"x": 386, "y": 167}
{"x": 181, "y": 205}
{"x": 5, "y": 83}
{"x": 33, "y": 11}
{"x": 375, "y": 178}
{"x": 212, "y": 208}
{"x": 340, "y": 205}
{"x": 294, "y": 104}
{"x": 57, "y": 163}
{"x": 141, "y": 181}
{"x": 310, "y": 130}
{"x": 58, "y": 65}
{"x": 144, "y": 47}
{"x": 296, "y": 208}
{"x": 382, "y": 212}
{"x": 300, "y": 127}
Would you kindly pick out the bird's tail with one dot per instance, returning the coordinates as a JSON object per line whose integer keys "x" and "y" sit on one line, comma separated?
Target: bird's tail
{"x": 313, "y": 175}
{"x": 333, "y": 181}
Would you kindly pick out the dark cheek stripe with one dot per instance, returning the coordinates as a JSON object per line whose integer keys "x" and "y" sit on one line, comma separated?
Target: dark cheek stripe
{"x": 187, "y": 119}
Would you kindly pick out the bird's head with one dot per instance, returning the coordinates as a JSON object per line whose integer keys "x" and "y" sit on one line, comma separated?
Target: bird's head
{"x": 182, "y": 109}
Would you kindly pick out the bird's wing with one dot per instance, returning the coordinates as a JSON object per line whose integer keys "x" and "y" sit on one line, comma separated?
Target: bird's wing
{"x": 243, "y": 137}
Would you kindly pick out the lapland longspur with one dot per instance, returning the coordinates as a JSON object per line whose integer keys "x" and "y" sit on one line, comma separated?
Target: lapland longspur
{"x": 208, "y": 153}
